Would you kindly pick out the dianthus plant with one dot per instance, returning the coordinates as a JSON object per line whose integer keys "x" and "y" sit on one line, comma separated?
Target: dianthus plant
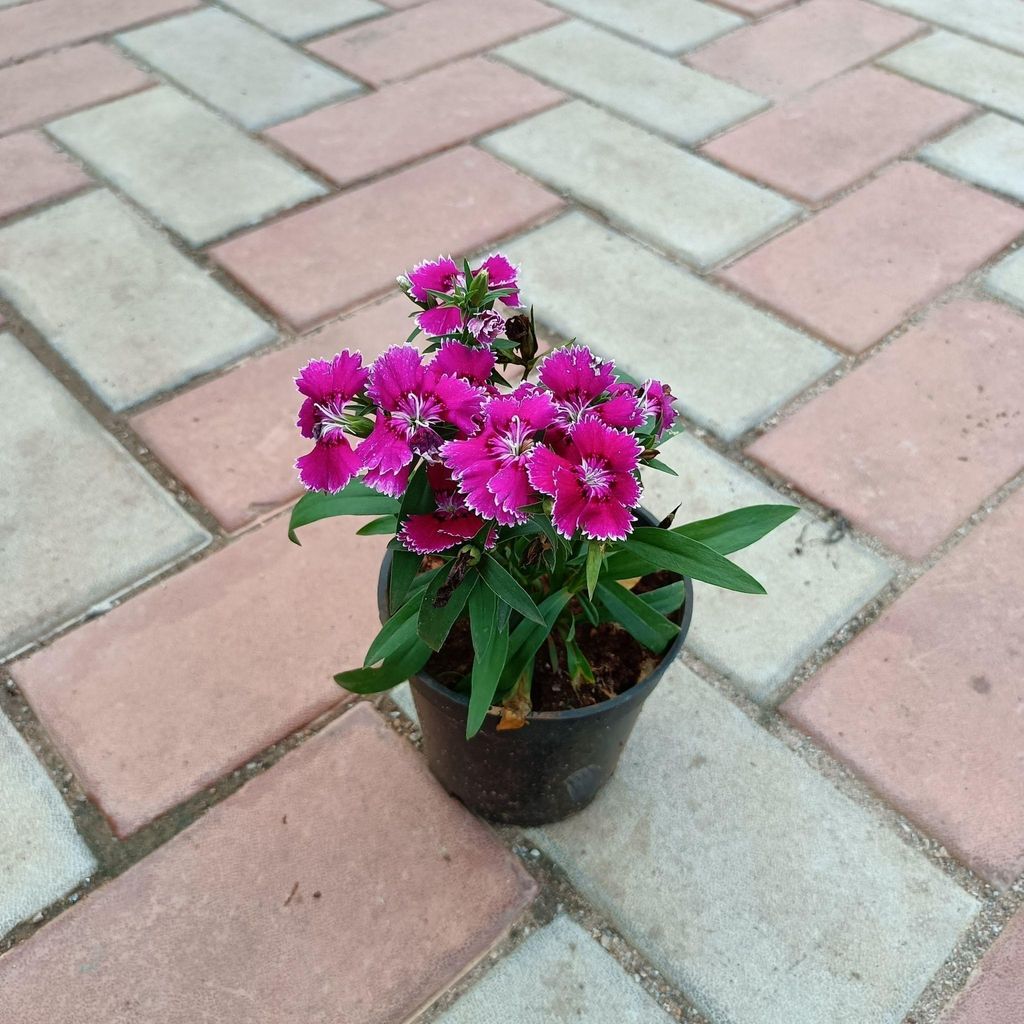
{"x": 510, "y": 484}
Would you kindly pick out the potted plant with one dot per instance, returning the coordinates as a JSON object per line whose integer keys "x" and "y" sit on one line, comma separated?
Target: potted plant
{"x": 526, "y": 595}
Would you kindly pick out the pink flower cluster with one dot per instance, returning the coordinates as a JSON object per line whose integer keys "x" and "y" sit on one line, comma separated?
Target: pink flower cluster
{"x": 568, "y": 445}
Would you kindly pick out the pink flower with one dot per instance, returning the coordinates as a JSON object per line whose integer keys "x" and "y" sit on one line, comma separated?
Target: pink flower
{"x": 450, "y": 525}
{"x": 328, "y": 387}
{"x": 593, "y": 483}
{"x": 658, "y": 400}
{"x": 486, "y": 326}
{"x": 412, "y": 402}
{"x": 444, "y": 275}
{"x": 501, "y": 273}
{"x": 440, "y": 275}
{"x": 584, "y": 387}
{"x": 458, "y": 360}
{"x": 490, "y": 467}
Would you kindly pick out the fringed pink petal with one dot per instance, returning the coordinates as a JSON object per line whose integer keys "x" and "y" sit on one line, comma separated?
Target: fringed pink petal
{"x": 329, "y": 466}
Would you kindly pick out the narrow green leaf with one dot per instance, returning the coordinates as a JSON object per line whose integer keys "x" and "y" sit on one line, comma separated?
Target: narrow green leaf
{"x": 595, "y": 560}
{"x": 379, "y": 527}
{"x": 396, "y": 633}
{"x": 490, "y": 648}
{"x": 504, "y": 586}
{"x": 638, "y": 618}
{"x": 738, "y": 529}
{"x": 393, "y": 671}
{"x": 660, "y": 466}
{"x": 435, "y": 622}
{"x": 356, "y": 499}
{"x": 665, "y": 599}
{"x": 528, "y": 636}
{"x": 404, "y": 567}
{"x": 678, "y": 553}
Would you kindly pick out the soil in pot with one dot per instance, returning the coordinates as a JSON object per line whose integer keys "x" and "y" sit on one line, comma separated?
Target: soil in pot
{"x": 618, "y": 660}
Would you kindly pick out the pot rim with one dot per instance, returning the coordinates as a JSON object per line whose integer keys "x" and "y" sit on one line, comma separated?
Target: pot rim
{"x": 640, "y": 690}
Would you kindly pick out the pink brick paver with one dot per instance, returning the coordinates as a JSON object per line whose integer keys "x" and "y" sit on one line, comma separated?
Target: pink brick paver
{"x": 33, "y": 172}
{"x": 820, "y": 143}
{"x": 405, "y": 43}
{"x": 242, "y": 474}
{"x": 995, "y": 993}
{"x": 46, "y": 24}
{"x": 343, "y": 886}
{"x": 913, "y": 441}
{"x": 165, "y": 694}
{"x": 798, "y": 48}
{"x": 345, "y": 250}
{"x": 383, "y": 130}
{"x": 858, "y": 268}
{"x": 756, "y": 8}
{"x": 927, "y": 703}
{"x": 47, "y": 87}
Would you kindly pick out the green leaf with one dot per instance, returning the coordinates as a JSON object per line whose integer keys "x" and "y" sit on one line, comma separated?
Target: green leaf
{"x": 638, "y": 618}
{"x": 667, "y": 549}
{"x": 395, "y": 669}
{"x": 396, "y": 634}
{"x": 595, "y": 560}
{"x": 381, "y": 526}
{"x": 665, "y": 599}
{"x": 504, "y": 586}
{"x": 436, "y": 621}
{"x": 404, "y": 567}
{"x": 737, "y": 529}
{"x": 528, "y": 636}
{"x": 356, "y": 499}
{"x": 490, "y": 648}
{"x": 660, "y": 466}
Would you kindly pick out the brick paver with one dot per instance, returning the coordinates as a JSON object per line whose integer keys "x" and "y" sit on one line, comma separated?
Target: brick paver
{"x": 996, "y": 21}
{"x": 716, "y": 193}
{"x": 914, "y": 440}
{"x": 983, "y": 74}
{"x": 816, "y": 578}
{"x": 820, "y": 143}
{"x": 167, "y": 693}
{"x": 408, "y": 42}
{"x": 58, "y": 83}
{"x": 756, "y": 8}
{"x": 131, "y": 314}
{"x": 242, "y": 474}
{"x": 248, "y": 74}
{"x": 1006, "y": 279}
{"x": 856, "y": 270}
{"x": 311, "y": 265}
{"x": 927, "y": 703}
{"x": 989, "y": 151}
{"x": 683, "y": 204}
{"x": 803, "y": 46}
{"x": 65, "y": 554}
{"x": 739, "y": 364}
{"x": 46, "y": 24}
{"x": 295, "y": 900}
{"x": 995, "y": 993}
{"x": 41, "y": 854}
{"x": 34, "y": 172}
{"x": 386, "y": 129}
{"x": 198, "y": 174}
{"x": 559, "y": 974}
{"x": 651, "y": 89}
{"x": 671, "y": 26}
{"x": 309, "y": 18}
{"x": 846, "y": 925}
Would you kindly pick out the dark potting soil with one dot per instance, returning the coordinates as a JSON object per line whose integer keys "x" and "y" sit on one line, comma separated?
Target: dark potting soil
{"x": 619, "y": 662}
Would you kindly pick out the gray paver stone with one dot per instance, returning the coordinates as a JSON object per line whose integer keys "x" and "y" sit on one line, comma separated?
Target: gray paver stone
{"x": 1006, "y": 279}
{"x": 988, "y": 151}
{"x": 996, "y": 21}
{"x": 309, "y": 18}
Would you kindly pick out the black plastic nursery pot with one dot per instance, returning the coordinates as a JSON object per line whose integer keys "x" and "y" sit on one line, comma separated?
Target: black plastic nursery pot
{"x": 545, "y": 771}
